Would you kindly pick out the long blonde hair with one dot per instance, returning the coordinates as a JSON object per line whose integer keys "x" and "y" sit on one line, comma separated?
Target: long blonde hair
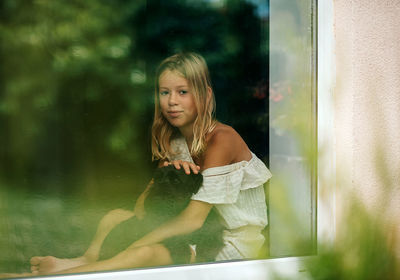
{"x": 194, "y": 69}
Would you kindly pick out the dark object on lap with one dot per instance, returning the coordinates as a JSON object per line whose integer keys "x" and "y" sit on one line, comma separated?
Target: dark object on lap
{"x": 169, "y": 195}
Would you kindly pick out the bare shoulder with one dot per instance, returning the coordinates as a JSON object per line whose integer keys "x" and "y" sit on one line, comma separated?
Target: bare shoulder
{"x": 225, "y": 146}
{"x": 223, "y": 134}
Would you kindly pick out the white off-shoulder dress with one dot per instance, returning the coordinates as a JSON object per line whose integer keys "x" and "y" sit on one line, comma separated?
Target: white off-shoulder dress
{"x": 237, "y": 192}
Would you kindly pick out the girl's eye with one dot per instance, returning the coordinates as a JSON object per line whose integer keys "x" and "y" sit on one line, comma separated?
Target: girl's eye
{"x": 183, "y": 92}
{"x": 163, "y": 92}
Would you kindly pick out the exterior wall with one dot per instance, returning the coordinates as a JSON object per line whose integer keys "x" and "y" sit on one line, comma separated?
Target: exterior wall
{"x": 367, "y": 104}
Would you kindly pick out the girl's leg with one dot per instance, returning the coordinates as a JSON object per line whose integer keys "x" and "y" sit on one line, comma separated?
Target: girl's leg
{"x": 52, "y": 264}
{"x": 15, "y": 275}
{"x": 107, "y": 223}
{"x": 151, "y": 255}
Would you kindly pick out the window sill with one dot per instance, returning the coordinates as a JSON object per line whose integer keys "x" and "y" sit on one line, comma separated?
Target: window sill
{"x": 292, "y": 268}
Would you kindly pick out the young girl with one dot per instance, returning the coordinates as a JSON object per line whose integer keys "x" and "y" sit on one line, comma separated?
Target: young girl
{"x": 186, "y": 134}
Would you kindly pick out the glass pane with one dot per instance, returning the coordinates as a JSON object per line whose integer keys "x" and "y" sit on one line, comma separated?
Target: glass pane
{"x": 292, "y": 190}
{"x": 76, "y": 106}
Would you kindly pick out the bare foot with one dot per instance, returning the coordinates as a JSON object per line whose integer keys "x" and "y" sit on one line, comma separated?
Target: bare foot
{"x": 50, "y": 264}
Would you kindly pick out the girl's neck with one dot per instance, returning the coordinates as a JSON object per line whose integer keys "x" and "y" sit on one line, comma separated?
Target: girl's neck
{"x": 189, "y": 141}
{"x": 188, "y": 134}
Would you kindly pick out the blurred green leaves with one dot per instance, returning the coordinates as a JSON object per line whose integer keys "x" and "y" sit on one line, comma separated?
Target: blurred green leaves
{"x": 65, "y": 79}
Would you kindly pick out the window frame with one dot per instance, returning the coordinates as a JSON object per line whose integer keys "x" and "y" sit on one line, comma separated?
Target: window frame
{"x": 326, "y": 169}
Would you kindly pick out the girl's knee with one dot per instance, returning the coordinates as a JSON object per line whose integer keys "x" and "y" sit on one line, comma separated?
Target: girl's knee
{"x": 155, "y": 254}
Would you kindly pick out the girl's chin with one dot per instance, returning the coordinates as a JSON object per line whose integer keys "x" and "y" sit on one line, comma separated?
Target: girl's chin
{"x": 175, "y": 123}
{"x": 179, "y": 124}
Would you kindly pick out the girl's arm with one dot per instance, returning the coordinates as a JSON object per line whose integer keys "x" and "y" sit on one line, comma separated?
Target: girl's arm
{"x": 139, "y": 206}
{"x": 188, "y": 221}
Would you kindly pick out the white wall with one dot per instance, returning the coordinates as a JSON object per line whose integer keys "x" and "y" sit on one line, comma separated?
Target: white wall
{"x": 367, "y": 103}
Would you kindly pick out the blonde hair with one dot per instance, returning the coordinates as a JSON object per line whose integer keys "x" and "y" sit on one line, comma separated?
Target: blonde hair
{"x": 194, "y": 69}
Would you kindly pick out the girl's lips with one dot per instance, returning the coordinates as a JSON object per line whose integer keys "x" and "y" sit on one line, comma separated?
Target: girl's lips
{"x": 174, "y": 114}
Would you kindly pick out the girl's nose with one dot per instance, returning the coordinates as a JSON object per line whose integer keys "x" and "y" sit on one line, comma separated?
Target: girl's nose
{"x": 172, "y": 100}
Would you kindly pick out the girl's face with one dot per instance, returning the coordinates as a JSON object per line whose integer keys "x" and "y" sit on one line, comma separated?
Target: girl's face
{"x": 177, "y": 101}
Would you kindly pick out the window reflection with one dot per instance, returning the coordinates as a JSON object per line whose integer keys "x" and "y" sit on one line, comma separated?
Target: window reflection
{"x": 76, "y": 106}
{"x": 292, "y": 196}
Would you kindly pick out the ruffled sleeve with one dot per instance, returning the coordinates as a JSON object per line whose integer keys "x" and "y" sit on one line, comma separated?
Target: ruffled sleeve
{"x": 222, "y": 184}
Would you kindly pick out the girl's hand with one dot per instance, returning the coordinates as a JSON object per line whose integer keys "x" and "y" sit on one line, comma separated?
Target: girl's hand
{"x": 187, "y": 166}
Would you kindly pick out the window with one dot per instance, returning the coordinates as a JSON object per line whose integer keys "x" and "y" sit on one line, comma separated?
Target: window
{"x": 293, "y": 125}
{"x": 66, "y": 146}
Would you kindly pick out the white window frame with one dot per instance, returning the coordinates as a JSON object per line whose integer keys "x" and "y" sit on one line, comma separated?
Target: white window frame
{"x": 292, "y": 266}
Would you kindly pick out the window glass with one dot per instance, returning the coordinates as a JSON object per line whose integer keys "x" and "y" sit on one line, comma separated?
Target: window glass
{"x": 76, "y": 106}
{"x": 292, "y": 190}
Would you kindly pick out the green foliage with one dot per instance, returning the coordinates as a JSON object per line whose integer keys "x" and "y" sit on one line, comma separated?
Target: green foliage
{"x": 65, "y": 89}
{"x": 364, "y": 249}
